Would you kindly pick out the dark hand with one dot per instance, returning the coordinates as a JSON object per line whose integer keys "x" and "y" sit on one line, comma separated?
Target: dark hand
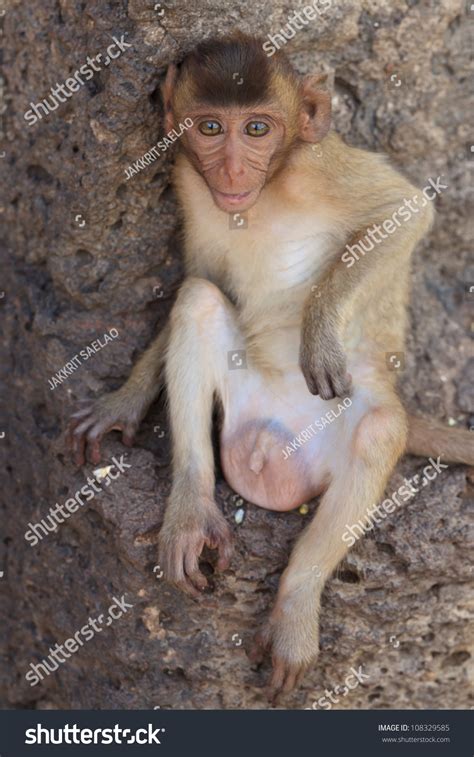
{"x": 323, "y": 362}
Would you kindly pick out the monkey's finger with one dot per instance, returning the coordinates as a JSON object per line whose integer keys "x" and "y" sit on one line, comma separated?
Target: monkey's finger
{"x": 77, "y": 440}
{"x": 128, "y": 436}
{"x": 277, "y": 679}
{"x": 341, "y": 384}
{"x": 312, "y": 386}
{"x": 93, "y": 451}
{"x": 308, "y": 377}
{"x": 332, "y": 381}
{"x": 325, "y": 390}
{"x": 72, "y": 425}
{"x": 84, "y": 426}
{"x": 167, "y": 559}
{"x": 78, "y": 448}
{"x": 82, "y": 412}
{"x": 291, "y": 679}
{"x": 187, "y": 587}
{"x": 219, "y": 538}
{"x": 225, "y": 554}
{"x": 194, "y": 575}
{"x": 93, "y": 436}
{"x": 69, "y": 435}
{"x": 224, "y": 562}
{"x": 259, "y": 648}
{"x": 174, "y": 571}
{"x": 279, "y": 670}
{"x": 198, "y": 580}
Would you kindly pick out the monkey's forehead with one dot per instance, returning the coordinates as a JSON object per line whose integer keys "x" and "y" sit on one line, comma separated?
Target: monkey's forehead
{"x": 275, "y": 101}
{"x": 271, "y": 109}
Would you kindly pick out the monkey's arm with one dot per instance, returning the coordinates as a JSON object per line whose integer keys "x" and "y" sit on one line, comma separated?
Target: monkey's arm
{"x": 123, "y": 409}
{"x": 327, "y": 312}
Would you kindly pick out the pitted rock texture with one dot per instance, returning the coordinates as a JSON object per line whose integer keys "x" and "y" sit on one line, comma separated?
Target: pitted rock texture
{"x": 84, "y": 250}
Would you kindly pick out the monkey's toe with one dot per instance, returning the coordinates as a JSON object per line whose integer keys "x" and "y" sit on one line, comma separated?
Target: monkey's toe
{"x": 259, "y": 648}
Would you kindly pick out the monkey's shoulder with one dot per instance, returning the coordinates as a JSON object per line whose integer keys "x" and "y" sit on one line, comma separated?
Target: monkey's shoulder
{"x": 365, "y": 178}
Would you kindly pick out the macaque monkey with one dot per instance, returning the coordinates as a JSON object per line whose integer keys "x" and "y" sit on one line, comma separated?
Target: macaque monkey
{"x": 313, "y": 329}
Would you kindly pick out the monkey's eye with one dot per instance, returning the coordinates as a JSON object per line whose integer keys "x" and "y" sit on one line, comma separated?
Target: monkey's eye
{"x": 210, "y": 128}
{"x": 257, "y": 129}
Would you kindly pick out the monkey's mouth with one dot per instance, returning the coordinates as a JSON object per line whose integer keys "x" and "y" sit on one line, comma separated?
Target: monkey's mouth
{"x": 233, "y": 198}
{"x": 226, "y": 200}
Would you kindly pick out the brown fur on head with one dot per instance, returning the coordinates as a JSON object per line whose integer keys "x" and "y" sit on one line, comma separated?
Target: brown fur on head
{"x": 232, "y": 84}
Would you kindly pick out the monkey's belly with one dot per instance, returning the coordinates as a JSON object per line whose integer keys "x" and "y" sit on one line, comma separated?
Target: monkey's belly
{"x": 265, "y": 477}
{"x": 265, "y": 457}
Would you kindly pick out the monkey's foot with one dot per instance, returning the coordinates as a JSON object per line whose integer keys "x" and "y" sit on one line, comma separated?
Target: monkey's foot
{"x": 291, "y": 649}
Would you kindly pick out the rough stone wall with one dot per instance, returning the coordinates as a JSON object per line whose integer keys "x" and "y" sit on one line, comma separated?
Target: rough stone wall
{"x": 84, "y": 251}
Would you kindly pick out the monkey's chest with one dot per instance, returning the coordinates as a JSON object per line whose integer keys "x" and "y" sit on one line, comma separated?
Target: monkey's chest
{"x": 275, "y": 275}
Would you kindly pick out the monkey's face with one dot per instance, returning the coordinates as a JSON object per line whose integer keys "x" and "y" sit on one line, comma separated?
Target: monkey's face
{"x": 242, "y": 136}
{"x": 236, "y": 152}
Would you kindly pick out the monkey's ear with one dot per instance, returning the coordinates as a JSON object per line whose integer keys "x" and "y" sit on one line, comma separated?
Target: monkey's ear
{"x": 315, "y": 116}
{"x": 167, "y": 91}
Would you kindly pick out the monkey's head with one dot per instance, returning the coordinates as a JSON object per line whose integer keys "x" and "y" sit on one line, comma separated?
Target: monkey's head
{"x": 249, "y": 111}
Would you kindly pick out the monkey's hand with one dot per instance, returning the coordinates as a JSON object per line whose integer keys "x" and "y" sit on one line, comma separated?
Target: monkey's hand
{"x": 186, "y": 529}
{"x": 322, "y": 358}
{"x": 291, "y": 635}
{"x": 115, "y": 411}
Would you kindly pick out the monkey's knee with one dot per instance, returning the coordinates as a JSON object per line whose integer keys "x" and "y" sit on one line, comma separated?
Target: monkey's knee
{"x": 381, "y": 432}
{"x": 199, "y": 299}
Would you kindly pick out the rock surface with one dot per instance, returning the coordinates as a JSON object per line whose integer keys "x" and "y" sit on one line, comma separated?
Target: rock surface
{"x": 85, "y": 251}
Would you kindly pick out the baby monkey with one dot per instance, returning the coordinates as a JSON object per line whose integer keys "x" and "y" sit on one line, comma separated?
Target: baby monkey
{"x": 273, "y": 327}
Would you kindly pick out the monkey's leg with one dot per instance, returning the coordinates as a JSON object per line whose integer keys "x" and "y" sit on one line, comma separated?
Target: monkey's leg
{"x": 203, "y": 331}
{"x": 121, "y": 410}
{"x": 358, "y": 477}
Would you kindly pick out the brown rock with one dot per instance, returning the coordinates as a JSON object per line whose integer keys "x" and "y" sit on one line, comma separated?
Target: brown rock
{"x": 399, "y": 605}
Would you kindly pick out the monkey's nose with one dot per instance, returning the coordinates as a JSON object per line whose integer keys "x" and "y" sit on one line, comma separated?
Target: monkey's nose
{"x": 234, "y": 169}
